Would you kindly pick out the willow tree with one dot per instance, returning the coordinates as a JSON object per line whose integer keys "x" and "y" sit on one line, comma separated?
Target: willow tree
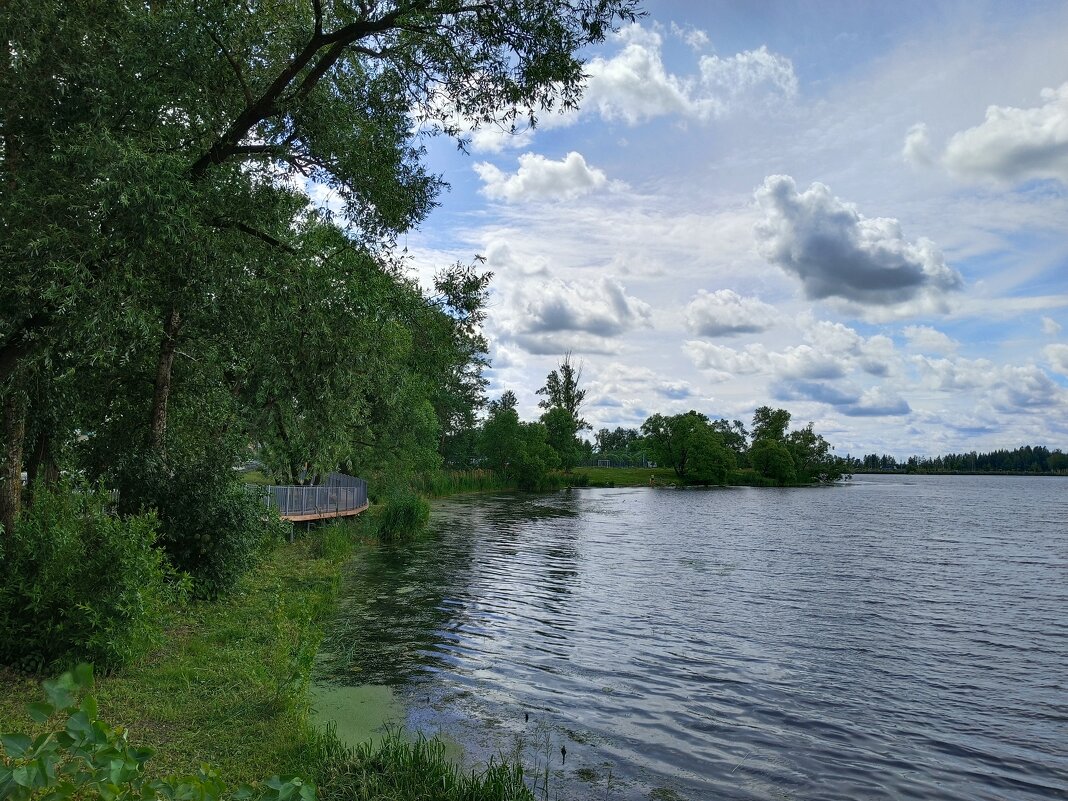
{"x": 149, "y": 148}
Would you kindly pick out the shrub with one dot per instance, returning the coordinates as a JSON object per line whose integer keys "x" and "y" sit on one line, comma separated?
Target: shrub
{"x": 211, "y": 527}
{"x": 78, "y": 583}
{"x": 87, "y": 758}
{"x": 403, "y": 514}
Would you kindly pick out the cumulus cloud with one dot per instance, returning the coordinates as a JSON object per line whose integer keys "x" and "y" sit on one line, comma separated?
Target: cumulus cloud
{"x": 875, "y": 402}
{"x": 832, "y": 351}
{"x": 726, "y": 313}
{"x": 918, "y": 150}
{"x": 1050, "y": 327}
{"x": 622, "y": 386}
{"x": 539, "y": 178}
{"x": 1026, "y": 387}
{"x": 553, "y": 316}
{"x": 1015, "y": 144}
{"x": 874, "y": 355}
{"x": 878, "y": 402}
{"x": 723, "y": 362}
{"x": 839, "y": 253}
{"x": 949, "y": 375}
{"x": 1057, "y": 355}
{"x": 925, "y": 339}
{"x": 1007, "y": 387}
{"x": 501, "y": 259}
{"x": 634, "y": 85}
{"x": 798, "y": 362}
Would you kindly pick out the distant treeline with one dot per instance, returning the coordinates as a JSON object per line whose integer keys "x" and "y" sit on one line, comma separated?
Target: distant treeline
{"x": 1025, "y": 459}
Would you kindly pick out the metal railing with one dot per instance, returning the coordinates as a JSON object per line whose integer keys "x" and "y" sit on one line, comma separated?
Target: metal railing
{"x": 340, "y": 494}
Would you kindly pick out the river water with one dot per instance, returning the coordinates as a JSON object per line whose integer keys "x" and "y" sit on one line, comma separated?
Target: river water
{"x": 896, "y": 637}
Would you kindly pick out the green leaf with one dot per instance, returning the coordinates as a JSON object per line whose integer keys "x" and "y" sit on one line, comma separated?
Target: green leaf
{"x": 79, "y": 724}
{"x": 83, "y": 676}
{"x": 24, "y": 775}
{"x": 15, "y": 745}
{"x": 41, "y": 711}
{"x": 58, "y": 692}
{"x": 89, "y": 706}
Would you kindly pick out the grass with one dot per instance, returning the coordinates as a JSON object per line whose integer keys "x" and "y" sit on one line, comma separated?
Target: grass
{"x": 403, "y": 770}
{"x": 628, "y": 476}
{"x": 228, "y": 687}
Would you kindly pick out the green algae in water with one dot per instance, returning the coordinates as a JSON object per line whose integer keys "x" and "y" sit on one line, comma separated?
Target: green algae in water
{"x": 361, "y": 713}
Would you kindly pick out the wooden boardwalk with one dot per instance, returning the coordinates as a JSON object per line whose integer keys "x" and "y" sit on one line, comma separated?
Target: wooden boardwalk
{"x": 340, "y": 496}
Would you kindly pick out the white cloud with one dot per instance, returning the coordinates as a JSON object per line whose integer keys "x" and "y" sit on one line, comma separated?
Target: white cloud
{"x": 918, "y": 150}
{"x": 796, "y": 362}
{"x": 695, "y": 38}
{"x": 874, "y": 402}
{"x": 925, "y": 339}
{"x": 501, "y": 259}
{"x": 724, "y": 362}
{"x": 539, "y": 178}
{"x": 1025, "y": 388}
{"x": 1057, "y": 355}
{"x": 1015, "y": 144}
{"x": 1007, "y": 388}
{"x": 878, "y": 402}
{"x": 745, "y": 72}
{"x": 951, "y": 375}
{"x": 634, "y": 85}
{"x": 839, "y": 253}
{"x": 726, "y": 313}
{"x": 1050, "y": 327}
{"x": 552, "y": 316}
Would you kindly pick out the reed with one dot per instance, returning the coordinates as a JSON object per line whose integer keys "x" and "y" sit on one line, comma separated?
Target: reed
{"x": 398, "y": 768}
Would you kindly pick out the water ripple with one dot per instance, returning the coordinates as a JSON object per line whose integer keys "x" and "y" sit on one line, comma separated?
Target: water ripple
{"x": 899, "y": 638}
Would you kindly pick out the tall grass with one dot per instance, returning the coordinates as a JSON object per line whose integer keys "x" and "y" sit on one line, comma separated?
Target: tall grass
{"x": 454, "y": 482}
{"x": 403, "y": 515}
{"x": 401, "y": 769}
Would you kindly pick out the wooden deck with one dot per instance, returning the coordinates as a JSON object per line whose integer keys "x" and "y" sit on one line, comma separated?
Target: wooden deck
{"x": 324, "y": 515}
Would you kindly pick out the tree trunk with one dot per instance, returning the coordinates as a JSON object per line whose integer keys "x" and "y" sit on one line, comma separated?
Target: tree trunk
{"x": 42, "y": 464}
{"x": 162, "y": 394}
{"x": 14, "y": 435}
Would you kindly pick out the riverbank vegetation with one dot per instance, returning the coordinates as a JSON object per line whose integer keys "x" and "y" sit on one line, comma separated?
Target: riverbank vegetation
{"x": 1025, "y": 460}
{"x": 225, "y": 686}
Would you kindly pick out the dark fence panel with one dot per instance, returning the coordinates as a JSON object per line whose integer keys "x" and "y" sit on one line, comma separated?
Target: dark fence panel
{"x": 340, "y": 494}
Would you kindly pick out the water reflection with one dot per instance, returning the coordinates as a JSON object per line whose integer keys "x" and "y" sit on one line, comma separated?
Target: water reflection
{"x": 887, "y": 640}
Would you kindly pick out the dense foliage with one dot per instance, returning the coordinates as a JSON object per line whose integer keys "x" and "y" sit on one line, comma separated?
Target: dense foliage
{"x": 77, "y": 582}
{"x": 210, "y": 527}
{"x": 198, "y": 262}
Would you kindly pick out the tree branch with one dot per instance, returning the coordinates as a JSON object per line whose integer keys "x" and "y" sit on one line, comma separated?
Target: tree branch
{"x": 233, "y": 65}
{"x": 263, "y": 236}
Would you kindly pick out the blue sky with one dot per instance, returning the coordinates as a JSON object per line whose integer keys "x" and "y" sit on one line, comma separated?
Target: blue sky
{"x": 855, "y": 211}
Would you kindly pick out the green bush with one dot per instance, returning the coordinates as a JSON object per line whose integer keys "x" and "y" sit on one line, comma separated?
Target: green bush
{"x": 402, "y": 515}
{"x": 211, "y": 527}
{"x": 87, "y": 758}
{"x": 78, "y": 583}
